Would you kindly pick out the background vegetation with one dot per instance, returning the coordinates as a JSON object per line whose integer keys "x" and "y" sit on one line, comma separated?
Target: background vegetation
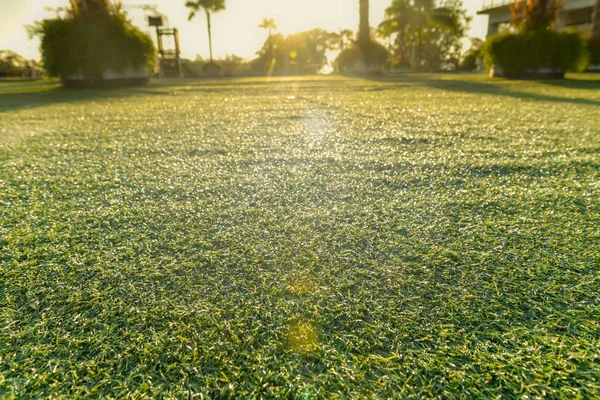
{"x": 536, "y": 45}
{"x": 426, "y": 34}
{"x": 471, "y": 57}
{"x": 372, "y": 52}
{"x": 531, "y": 50}
{"x": 15, "y": 65}
{"x": 594, "y": 51}
{"x": 89, "y": 41}
{"x": 303, "y": 52}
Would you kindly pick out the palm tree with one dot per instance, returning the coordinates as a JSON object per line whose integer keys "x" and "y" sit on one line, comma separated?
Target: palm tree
{"x": 269, "y": 25}
{"x": 344, "y": 36}
{"x": 364, "y": 30}
{"x": 91, "y": 8}
{"x": 209, "y": 6}
{"x": 412, "y": 19}
{"x": 399, "y": 16}
{"x": 428, "y": 16}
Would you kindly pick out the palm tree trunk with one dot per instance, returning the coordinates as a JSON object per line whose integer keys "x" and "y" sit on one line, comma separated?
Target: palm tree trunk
{"x": 401, "y": 44}
{"x": 596, "y": 21}
{"x": 364, "y": 34}
{"x": 271, "y": 48}
{"x": 419, "y": 48}
{"x": 209, "y": 34}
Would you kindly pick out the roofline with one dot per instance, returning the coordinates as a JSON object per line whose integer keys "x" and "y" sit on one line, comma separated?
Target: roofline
{"x": 489, "y": 6}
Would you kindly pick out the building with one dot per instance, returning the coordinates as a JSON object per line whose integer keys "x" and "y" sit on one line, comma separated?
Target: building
{"x": 575, "y": 14}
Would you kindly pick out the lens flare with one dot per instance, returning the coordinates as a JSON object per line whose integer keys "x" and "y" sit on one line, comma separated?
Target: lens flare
{"x": 303, "y": 338}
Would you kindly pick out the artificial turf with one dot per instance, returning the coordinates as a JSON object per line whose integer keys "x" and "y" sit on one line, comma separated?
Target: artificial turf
{"x": 322, "y": 237}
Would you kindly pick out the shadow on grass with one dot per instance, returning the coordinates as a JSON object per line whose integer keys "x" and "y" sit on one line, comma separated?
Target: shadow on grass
{"x": 26, "y": 96}
{"x": 490, "y": 88}
{"x": 585, "y": 84}
{"x": 18, "y": 98}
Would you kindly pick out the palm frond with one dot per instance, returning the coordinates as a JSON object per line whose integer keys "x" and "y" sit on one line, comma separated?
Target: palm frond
{"x": 206, "y": 5}
{"x": 445, "y": 18}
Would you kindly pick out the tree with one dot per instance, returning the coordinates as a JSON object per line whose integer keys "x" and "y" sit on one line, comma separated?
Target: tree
{"x": 596, "y": 21}
{"x": 364, "y": 29}
{"x": 442, "y": 45}
{"x": 296, "y": 53}
{"x": 269, "y": 25}
{"x": 594, "y": 39}
{"x": 93, "y": 8}
{"x": 431, "y": 24}
{"x": 433, "y": 32}
{"x": 92, "y": 38}
{"x": 208, "y": 6}
{"x": 344, "y": 36}
{"x": 398, "y": 18}
{"x": 13, "y": 64}
{"x": 469, "y": 59}
{"x": 534, "y": 14}
{"x": 372, "y": 53}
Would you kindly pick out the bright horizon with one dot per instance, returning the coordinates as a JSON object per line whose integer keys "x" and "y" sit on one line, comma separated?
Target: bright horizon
{"x": 235, "y": 30}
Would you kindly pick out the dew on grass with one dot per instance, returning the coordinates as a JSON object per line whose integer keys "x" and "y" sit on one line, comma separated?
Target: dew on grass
{"x": 331, "y": 231}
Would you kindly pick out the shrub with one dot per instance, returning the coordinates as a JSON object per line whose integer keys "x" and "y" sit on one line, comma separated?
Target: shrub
{"x": 13, "y": 64}
{"x": 594, "y": 51}
{"x": 468, "y": 62}
{"x": 347, "y": 58}
{"x": 517, "y": 53}
{"x": 372, "y": 53}
{"x": 89, "y": 46}
{"x": 469, "y": 59}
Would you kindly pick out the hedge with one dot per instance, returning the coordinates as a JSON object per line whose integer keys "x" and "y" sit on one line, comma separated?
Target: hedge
{"x": 89, "y": 46}
{"x": 594, "y": 51}
{"x": 528, "y": 51}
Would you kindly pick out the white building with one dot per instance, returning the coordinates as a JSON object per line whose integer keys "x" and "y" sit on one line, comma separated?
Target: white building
{"x": 575, "y": 14}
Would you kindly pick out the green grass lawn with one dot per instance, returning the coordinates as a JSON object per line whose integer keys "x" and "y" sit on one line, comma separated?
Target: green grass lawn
{"x": 322, "y": 237}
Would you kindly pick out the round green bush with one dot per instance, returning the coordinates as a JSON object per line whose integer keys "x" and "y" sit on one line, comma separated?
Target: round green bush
{"x": 347, "y": 58}
{"x": 374, "y": 53}
{"x": 371, "y": 53}
{"x": 528, "y": 51}
{"x": 90, "y": 46}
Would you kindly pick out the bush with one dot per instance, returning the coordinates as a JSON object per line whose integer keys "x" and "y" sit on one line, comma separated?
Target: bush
{"x": 372, "y": 53}
{"x": 13, "y": 64}
{"x": 468, "y": 62}
{"x": 527, "y": 51}
{"x": 469, "y": 59}
{"x": 347, "y": 58}
{"x": 89, "y": 46}
{"x": 594, "y": 51}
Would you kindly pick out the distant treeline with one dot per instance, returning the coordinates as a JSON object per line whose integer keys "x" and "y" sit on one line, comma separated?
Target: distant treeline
{"x": 422, "y": 35}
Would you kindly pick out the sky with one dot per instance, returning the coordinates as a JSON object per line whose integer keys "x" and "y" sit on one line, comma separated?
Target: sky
{"x": 235, "y": 30}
